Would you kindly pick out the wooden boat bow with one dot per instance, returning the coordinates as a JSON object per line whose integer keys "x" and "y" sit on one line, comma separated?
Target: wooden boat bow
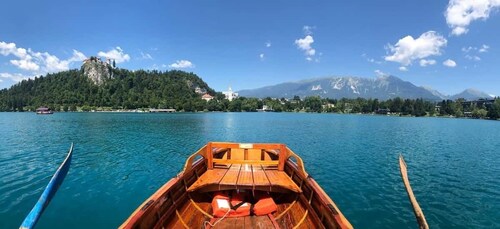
{"x": 255, "y": 172}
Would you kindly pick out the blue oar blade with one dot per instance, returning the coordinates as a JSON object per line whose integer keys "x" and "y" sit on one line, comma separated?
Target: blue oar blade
{"x": 49, "y": 192}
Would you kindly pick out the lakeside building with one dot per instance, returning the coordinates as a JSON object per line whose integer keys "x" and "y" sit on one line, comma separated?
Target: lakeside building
{"x": 162, "y": 110}
{"x": 207, "y": 97}
{"x": 230, "y": 94}
{"x": 265, "y": 108}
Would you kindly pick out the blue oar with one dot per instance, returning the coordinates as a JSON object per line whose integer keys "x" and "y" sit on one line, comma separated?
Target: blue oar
{"x": 48, "y": 193}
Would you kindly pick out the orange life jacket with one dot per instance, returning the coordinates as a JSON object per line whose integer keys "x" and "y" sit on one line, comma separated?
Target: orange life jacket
{"x": 264, "y": 205}
{"x": 237, "y": 206}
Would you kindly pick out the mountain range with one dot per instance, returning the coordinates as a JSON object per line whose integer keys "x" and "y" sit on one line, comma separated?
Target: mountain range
{"x": 382, "y": 88}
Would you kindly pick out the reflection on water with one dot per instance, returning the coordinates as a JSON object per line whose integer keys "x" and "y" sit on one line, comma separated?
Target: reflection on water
{"x": 121, "y": 159}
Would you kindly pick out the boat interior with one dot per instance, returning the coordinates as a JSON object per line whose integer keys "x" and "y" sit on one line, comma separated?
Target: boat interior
{"x": 230, "y": 185}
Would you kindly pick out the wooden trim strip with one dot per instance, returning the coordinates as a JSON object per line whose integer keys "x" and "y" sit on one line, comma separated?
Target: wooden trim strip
{"x": 252, "y": 162}
{"x": 199, "y": 209}
{"x": 266, "y": 146}
{"x": 273, "y": 220}
{"x": 286, "y": 210}
{"x": 301, "y": 220}
{"x": 180, "y": 219}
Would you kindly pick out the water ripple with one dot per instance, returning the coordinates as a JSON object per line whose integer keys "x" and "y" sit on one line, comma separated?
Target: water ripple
{"x": 121, "y": 159}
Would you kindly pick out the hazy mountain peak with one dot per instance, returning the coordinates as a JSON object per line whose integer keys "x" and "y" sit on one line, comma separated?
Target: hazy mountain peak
{"x": 383, "y": 88}
{"x": 472, "y": 94}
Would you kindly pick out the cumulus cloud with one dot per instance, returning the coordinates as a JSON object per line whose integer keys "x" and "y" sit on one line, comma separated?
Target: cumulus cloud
{"x": 116, "y": 54}
{"x": 408, "y": 49}
{"x": 424, "y": 62}
{"x": 403, "y": 69}
{"x": 450, "y": 63}
{"x": 304, "y": 44}
{"x": 182, "y": 64}
{"x": 460, "y": 13}
{"x": 37, "y": 62}
{"x": 16, "y": 77}
{"x": 26, "y": 64}
{"x": 268, "y": 44}
{"x": 261, "y": 56}
{"x": 52, "y": 63}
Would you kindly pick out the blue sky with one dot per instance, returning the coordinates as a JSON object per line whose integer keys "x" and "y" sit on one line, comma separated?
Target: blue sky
{"x": 447, "y": 45}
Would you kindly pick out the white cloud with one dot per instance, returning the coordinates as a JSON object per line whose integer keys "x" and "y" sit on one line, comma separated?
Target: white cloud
{"x": 261, "y": 56}
{"x": 424, "y": 62}
{"x": 308, "y": 29}
{"x": 52, "y": 63}
{"x": 467, "y": 49}
{"x": 450, "y": 63}
{"x": 460, "y": 13}
{"x": 484, "y": 48}
{"x": 116, "y": 54}
{"x": 472, "y": 57}
{"x": 403, "y": 69}
{"x": 472, "y": 53}
{"x": 408, "y": 49}
{"x": 380, "y": 73}
{"x": 146, "y": 56}
{"x": 182, "y": 64}
{"x": 268, "y": 44}
{"x": 369, "y": 59}
{"x": 37, "y": 62}
{"x": 16, "y": 77}
{"x": 305, "y": 45}
{"x": 25, "y": 64}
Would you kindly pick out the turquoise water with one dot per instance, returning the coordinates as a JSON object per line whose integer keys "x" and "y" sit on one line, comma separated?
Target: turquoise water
{"x": 120, "y": 159}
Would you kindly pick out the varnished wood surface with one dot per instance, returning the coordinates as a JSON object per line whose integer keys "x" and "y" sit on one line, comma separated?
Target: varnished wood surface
{"x": 259, "y": 176}
{"x": 419, "y": 214}
{"x": 231, "y": 176}
{"x": 217, "y": 171}
{"x": 245, "y": 176}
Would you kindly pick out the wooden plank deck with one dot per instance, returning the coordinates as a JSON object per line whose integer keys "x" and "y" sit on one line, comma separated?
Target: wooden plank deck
{"x": 244, "y": 176}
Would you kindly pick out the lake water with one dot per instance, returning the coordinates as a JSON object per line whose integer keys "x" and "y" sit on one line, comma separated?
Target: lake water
{"x": 120, "y": 159}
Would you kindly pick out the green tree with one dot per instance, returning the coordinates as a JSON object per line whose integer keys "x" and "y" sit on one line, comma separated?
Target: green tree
{"x": 313, "y": 103}
{"x": 494, "y": 111}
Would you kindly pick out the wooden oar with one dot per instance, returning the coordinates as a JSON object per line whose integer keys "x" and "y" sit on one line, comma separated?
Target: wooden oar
{"x": 416, "y": 208}
{"x": 49, "y": 192}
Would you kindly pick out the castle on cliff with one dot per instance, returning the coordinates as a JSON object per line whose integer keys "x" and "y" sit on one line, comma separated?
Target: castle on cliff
{"x": 94, "y": 59}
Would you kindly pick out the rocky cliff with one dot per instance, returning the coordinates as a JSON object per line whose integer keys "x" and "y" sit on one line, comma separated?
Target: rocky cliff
{"x": 97, "y": 70}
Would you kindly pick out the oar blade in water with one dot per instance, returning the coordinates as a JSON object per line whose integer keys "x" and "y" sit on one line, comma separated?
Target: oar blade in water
{"x": 49, "y": 192}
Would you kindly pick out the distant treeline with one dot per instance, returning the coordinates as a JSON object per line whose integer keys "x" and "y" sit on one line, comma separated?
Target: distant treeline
{"x": 396, "y": 106}
{"x": 72, "y": 91}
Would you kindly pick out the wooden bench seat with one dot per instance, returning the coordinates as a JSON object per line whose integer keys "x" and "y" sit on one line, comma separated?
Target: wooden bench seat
{"x": 245, "y": 176}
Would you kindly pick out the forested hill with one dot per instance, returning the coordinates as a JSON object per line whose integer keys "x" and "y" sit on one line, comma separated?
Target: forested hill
{"x": 127, "y": 89}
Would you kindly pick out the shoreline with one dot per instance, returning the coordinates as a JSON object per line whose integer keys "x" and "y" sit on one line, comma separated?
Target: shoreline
{"x": 147, "y": 111}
